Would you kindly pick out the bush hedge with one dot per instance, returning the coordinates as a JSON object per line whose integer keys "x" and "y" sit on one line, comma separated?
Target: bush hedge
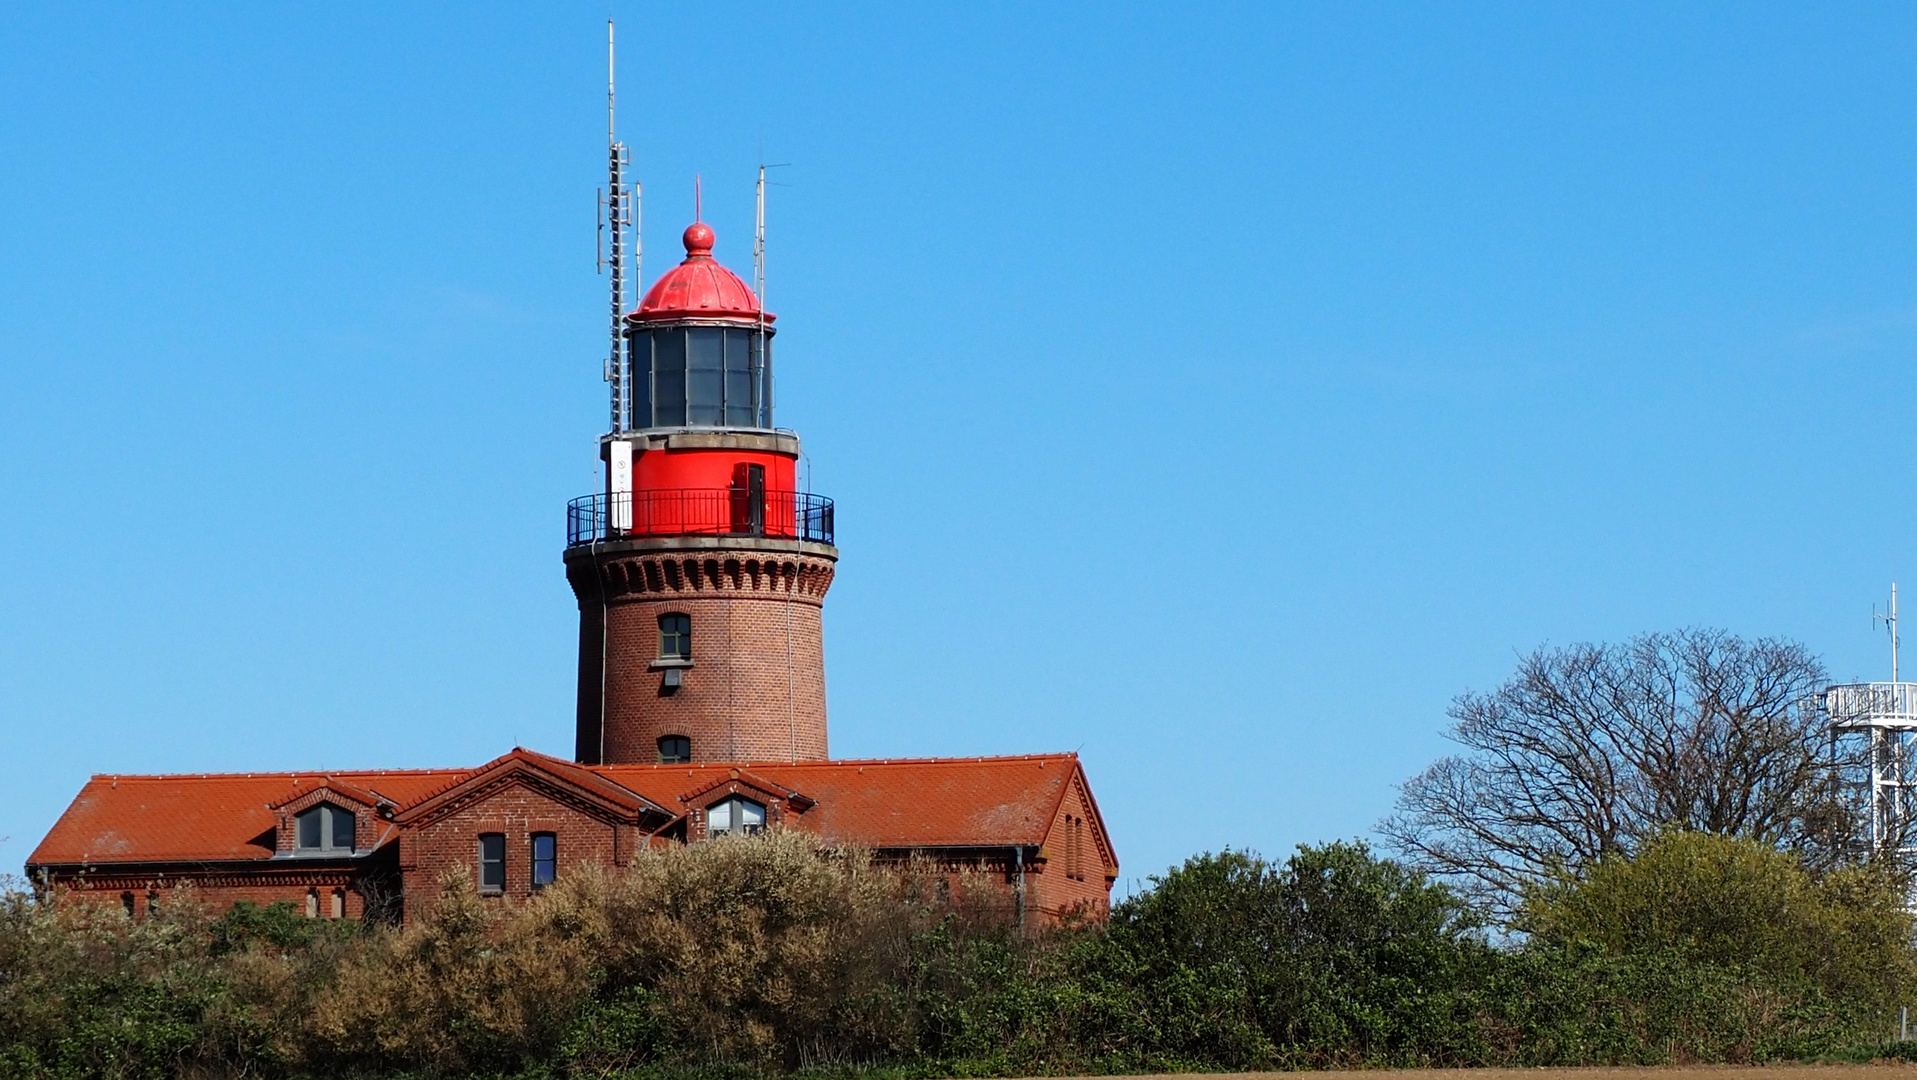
{"x": 770, "y": 955}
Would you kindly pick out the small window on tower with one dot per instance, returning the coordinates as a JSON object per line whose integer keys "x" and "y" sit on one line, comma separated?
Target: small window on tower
{"x": 675, "y": 636}
{"x": 675, "y": 750}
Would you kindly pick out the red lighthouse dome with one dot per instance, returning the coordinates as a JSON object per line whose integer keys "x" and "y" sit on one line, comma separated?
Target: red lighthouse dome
{"x": 699, "y": 287}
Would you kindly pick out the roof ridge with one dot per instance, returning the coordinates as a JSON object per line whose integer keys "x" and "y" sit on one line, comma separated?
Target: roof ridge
{"x": 1061, "y": 755}
{"x": 318, "y": 774}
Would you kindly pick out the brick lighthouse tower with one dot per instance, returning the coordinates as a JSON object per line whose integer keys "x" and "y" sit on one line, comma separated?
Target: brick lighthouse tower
{"x": 701, "y": 568}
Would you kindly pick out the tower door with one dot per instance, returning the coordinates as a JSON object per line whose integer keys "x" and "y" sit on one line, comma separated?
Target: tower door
{"x": 748, "y": 499}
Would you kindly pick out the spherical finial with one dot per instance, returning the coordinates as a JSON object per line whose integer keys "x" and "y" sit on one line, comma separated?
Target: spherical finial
{"x": 698, "y": 240}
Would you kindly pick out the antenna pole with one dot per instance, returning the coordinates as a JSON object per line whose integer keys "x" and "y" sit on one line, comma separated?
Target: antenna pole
{"x": 1890, "y": 623}
{"x": 758, "y": 287}
{"x": 758, "y": 246}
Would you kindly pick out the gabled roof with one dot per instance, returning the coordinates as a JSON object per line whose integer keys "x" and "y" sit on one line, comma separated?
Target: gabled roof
{"x": 565, "y": 779}
{"x": 200, "y": 817}
{"x": 918, "y": 802}
{"x": 332, "y": 786}
{"x": 736, "y": 778}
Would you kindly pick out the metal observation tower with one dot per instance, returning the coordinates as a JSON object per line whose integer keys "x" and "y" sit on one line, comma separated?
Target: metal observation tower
{"x": 1872, "y": 729}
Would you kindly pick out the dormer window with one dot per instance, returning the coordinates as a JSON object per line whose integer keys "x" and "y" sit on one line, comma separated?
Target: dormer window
{"x": 737, "y": 815}
{"x": 324, "y": 829}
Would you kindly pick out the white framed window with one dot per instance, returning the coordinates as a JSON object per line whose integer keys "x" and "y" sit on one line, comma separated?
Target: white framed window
{"x": 738, "y": 815}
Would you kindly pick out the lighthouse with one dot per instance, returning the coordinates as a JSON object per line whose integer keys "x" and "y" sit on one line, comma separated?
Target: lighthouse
{"x": 700, "y": 569}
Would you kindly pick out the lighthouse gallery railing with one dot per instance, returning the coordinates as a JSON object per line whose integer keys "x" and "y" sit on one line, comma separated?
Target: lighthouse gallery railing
{"x": 783, "y": 515}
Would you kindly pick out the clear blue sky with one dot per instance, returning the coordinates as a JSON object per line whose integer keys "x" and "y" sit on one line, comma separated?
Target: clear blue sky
{"x": 1217, "y": 392}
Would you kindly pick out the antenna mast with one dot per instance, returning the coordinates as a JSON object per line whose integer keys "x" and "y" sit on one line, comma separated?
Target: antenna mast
{"x": 619, "y": 208}
{"x": 1890, "y": 623}
{"x": 758, "y": 287}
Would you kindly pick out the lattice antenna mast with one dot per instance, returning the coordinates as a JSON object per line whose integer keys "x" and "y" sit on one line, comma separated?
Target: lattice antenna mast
{"x": 618, "y": 216}
{"x": 1873, "y": 729}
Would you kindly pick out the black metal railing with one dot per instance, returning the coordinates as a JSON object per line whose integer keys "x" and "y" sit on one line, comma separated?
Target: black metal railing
{"x": 735, "y": 511}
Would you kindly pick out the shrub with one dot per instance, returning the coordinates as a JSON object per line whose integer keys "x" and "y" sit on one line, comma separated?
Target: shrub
{"x": 768, "y": 950}
{"x": 745, "y": 957}
{"x": 1721, "y": 902}
{"x": 473, "y": 984}
{"x": 86, "y": 992}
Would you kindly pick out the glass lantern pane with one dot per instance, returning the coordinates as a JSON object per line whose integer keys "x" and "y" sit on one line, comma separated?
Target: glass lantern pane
{"x": 639, "y": 361}
{"x": 705, "y": 386}
{"x": 669, "y": 378}
{"x": 740, "y": 407}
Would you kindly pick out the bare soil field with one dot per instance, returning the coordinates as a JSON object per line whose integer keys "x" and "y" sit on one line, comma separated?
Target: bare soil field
{"x": 1884, "y": 1070}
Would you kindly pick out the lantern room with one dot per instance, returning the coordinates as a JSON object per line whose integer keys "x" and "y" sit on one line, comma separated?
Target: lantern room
{"x": 698, "y": 453}
{"x": 699, "y": 347}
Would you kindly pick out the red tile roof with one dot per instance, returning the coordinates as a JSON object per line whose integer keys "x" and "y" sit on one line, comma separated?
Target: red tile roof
{"x": 921, "y": 802}
{"x": 199, "y": 817}
{"x": 916, "y": 802}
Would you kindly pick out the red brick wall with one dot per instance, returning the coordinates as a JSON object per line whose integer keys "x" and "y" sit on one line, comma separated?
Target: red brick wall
{"x": 222, "y": 888}
{"x": 1077, "y": 871}
{"x": 756, "y": 690}
{"x": 450, "y": 843}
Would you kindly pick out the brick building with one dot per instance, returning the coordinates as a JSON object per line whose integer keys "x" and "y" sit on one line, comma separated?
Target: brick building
{"x": 700, "y": 572}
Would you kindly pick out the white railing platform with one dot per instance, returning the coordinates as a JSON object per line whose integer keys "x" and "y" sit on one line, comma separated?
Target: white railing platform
{"x": 1856, "y": 706}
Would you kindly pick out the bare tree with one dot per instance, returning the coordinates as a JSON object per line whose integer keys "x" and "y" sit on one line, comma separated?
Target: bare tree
{"x": 1591, "y": 749}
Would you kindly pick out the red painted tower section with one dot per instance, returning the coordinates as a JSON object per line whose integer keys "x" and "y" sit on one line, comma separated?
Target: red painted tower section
{"x": 701, "y": 569}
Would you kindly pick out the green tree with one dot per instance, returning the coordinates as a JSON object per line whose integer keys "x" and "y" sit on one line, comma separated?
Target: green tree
{"x": 1588, "y": 751}
{"x": 1336, "y": 956}
{"x": 1733, "y": 903}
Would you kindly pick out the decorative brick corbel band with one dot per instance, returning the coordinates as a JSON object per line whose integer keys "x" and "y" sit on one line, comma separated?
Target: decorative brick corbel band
{"x": 772, "y": 576}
